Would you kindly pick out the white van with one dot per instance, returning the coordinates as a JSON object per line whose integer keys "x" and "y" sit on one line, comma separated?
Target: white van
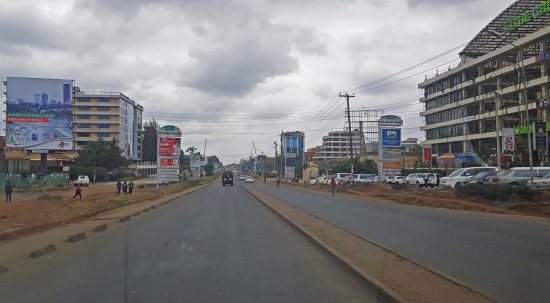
{"x": 342, "y": 178}
{"x": 461, "y": 176}
{"x": 82, "y": 180}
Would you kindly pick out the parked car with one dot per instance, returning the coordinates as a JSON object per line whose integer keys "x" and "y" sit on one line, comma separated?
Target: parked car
{"x": 153, "y": 182}
{"x": 343, "y": 178}
{"x": 520, "y": 175}
{"x": 399, "y": 180}
{"x": 242, "y": 177}
{"x": 363, "y": 178}
{"x": 82, "y": 180}
{"x": 542, "y": 182}
{"x": 322, "y": 180}
{"x": 410, "y": 179}
{"x": 433, "y": 179}
{"x": 248, "y": 179}
{"x": 483, "y": 177}
{"x": 462, "y": 176}
{"x": 390, "y": 179}
{"x": 312, "y": 181}
{"x": 421, "y": 179}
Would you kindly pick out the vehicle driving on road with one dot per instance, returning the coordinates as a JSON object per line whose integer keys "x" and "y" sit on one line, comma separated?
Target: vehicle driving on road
{"x": 227, "y": 178}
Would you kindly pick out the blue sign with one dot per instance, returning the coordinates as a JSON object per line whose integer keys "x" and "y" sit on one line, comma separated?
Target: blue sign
{"x": 391, "y": 137}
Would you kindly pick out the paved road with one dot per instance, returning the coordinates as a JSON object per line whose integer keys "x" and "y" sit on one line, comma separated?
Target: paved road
{"x": 217, "y": 245}
{"x": 507, "y": 258}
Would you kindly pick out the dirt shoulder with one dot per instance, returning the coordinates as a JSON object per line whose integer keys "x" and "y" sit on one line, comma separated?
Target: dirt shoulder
{"x": 440, "y": 197}
{"x": 37, "y": 209}
{"x": 394, "y": 277}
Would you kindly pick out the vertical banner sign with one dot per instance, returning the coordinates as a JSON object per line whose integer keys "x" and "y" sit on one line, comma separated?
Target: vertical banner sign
{"x": 39, "y": 113}
{"x": 168, "y": 153}
{"x": 540, "y": 136}
{"x": 389, "y": 151}
{"x": 508, "y": 141}
{"x": 428, "y": 154}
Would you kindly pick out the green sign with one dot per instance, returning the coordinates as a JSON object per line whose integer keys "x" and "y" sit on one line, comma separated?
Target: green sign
{"x": 169, "y": 128}
{"x": 526, "y": 16}
{"x": 527, "y": 129}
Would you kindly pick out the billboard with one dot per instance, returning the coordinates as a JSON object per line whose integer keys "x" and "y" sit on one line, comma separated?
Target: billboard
{"x": 427, "y": 154}
{"x": 508, "y": 143}
{"x": 39, "y": 113}
{"x": 170, "y": 146}
{"x": 391, "y": 137}
{"x": 168, "y": 156}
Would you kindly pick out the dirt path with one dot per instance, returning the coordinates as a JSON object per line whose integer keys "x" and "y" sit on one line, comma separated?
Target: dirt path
{"x": 35, "y": 209}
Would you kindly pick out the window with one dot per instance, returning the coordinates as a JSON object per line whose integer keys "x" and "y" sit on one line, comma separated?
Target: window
{"x": 103, "y": 100}
{"x": 103, "y": 108}
{"x": 103, "y": 117}
{"x": 83, "y": 108}
{"x": 83, "y": 134}
{"x": 83, "y": 116}
{"x": 103, "y": 135}
{"x": 103, "y": 125}
{"x": 522, "y": 173}
{"x": 83, "y": 99}
{"x": 84, "y": 125}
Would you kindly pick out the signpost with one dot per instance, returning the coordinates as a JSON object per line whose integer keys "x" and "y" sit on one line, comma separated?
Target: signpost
{"x": 168, "y": 154}
{"x": 389, "y": 151}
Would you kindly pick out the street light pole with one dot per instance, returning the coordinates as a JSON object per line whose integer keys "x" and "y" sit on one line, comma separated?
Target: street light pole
{"x": 524, "y": 80}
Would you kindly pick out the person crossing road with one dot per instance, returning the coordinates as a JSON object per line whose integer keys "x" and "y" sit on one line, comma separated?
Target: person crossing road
{"x": 332, "y": 185}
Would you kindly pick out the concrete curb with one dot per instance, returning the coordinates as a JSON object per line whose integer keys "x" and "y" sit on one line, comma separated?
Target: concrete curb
{"x": 382, "y": 293}
{"x": 42, "y": 251}
{"x": 76, "y": 237}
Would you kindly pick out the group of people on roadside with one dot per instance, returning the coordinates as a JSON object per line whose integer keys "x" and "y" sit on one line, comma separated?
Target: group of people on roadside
{"x": 125, "y": 187}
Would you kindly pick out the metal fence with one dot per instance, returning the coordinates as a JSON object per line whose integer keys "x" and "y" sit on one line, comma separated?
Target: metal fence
{"x": 18, "y": 180}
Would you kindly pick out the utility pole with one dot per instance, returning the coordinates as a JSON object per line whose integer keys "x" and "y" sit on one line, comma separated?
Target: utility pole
{"x": 347, "y": 96}
{"x": 276, "y": 153}
{"x": 282, "y": 157}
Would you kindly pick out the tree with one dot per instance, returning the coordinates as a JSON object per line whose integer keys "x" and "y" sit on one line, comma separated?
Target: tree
{"x": 208, "y": 169}
{"x": 99, "y": 155}
{"x": 191, "y": 150}
{"x": 150, "y": 141}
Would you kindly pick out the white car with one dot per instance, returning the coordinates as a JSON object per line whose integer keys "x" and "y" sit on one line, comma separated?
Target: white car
{"x": 82, "y": 180}
{"x": 242, "y": 177}
{"x": 248, "y": 180}
{"x": 398, "y": 180}
{"x": 463, "y": 175}
{"x": 410, "y": 179}
{"x": 322, "y": 180}
{"x": 312, "y": 181}
{"x": 540, "y": 182}
{"x": 363, "y": 178}
{"x": 342, "y": 178}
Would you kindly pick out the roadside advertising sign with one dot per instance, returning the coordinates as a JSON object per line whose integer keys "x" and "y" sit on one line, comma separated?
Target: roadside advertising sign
{"x": 427, "y": 154}
{"x": 170, "y": 146}
{"x": 167, "y": 162}
{"x": 393, "y": 164}
{"x": 39, "y": 113}
{"x": 508, "y": 141}
{"x": 391, "y": 171}
{"x": 391, "y": 137}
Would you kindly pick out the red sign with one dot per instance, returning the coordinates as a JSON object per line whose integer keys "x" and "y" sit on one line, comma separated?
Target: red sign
{"x": 169, "y": 146}
{"x": 170, "y": 162}
{"x": 428, "y": 154}
{"x": 395, "y": 164}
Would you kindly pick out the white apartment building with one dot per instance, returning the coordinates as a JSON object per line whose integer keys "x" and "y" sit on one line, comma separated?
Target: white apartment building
{"x": 336, "y": 145}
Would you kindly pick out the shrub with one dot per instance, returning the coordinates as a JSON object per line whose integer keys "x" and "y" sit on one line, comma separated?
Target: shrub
{"x": 50, "y": 197}
{"x": 498, "y": 192}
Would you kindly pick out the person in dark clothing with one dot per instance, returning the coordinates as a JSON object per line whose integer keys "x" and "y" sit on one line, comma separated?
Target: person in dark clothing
{"x": 124, "y": 187}
{"x": 118, "y": 187}
{"x": 130, "y": 186}
{"x": 8, "y": 189}
{"x": 78, "y": 192}
{"x": 278, "y": 181}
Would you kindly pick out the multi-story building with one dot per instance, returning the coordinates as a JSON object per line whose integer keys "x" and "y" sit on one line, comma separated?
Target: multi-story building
{"x": 108, "y": 116}
{"x": 336, "y": 145}
{"x": 508, "y": 72}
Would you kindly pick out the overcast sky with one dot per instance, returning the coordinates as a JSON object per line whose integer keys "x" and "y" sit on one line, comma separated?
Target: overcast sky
{"x": 236, "y": 71}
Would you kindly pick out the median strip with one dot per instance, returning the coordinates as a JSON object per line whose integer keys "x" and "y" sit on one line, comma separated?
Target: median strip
{"x": 42, "y": 251}
{"x": 76, "y": 237}
{"x": 393, "y": 277}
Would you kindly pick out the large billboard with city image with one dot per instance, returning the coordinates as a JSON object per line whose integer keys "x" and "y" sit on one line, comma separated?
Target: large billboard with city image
{"x": 39, "y": 113}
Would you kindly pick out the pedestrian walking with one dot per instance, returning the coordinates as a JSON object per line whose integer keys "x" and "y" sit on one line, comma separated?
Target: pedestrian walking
{"x": 118, "y": 187}
{"x": 78, "y": 192}
{"x": 124, "y": 187}
{"x": 130, "y": 186}
{"x": 278, "y": 181}
{"x": 8, "y": 189}
{"x": 265, "y": 179}
{"x": 332, "y": 185}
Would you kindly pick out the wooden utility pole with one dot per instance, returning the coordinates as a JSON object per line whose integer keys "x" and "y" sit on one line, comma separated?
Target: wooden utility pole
{"x": 347, "y": 96}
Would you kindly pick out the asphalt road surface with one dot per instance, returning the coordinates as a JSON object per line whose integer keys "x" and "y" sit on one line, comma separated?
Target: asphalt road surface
{"x": 504, "y": 257}
{"x": 217, "y": 245}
